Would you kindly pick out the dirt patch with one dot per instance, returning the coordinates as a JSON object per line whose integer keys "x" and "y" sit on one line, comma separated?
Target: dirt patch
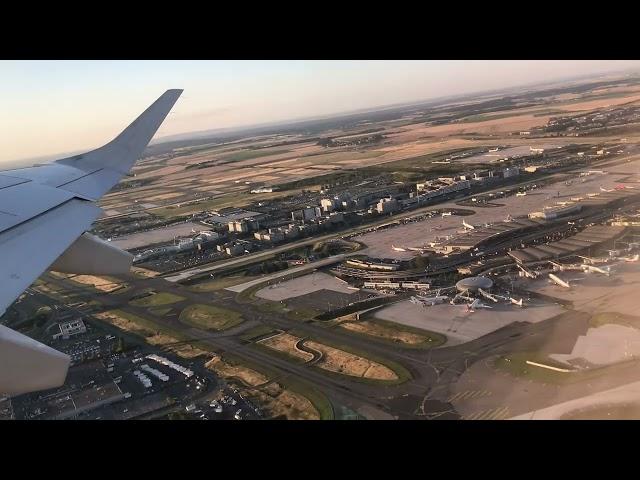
{"x": 181, "y": 349}
{"x": 129, "y": 324}
{"x": 102, "y": 284}
{"x": 124, "y": 323}
{"x": 346, "y": 363}
{"x": 227, "y": 370}
{"x": 600, "y": 103}
{"x": 209, "y": 317}
{"x": 286, "y": 343}
{"x": 143, "y": 272}
{"x": 278, "y": 401}
{"x": 164, "y": 196}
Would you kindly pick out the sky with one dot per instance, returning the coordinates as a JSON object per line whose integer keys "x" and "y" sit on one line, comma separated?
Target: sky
{"x": 49, "y": 107}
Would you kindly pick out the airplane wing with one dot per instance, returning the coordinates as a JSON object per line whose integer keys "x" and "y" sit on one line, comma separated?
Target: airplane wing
{"x": 44, "y": 213}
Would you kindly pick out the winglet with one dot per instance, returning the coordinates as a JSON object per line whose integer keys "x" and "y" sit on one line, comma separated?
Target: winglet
{"x": 122, "y": 152}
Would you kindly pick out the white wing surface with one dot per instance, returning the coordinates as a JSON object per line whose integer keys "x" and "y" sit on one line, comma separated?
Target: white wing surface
{"x": 44, "y": 214}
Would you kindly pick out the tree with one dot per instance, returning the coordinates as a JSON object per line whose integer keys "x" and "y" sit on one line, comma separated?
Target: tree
{"x": 120, "y": 346}
{"x": 420, "y": 262}
{"x": 42, "y": 315}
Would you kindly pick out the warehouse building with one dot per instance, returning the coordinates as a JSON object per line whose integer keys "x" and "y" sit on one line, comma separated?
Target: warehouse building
{"x": 594, "y": 237}
{"x": 484, "y": 235}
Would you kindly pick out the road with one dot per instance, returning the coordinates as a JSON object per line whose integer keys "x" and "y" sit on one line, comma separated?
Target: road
{"x": 434, "y": 372}
{"x": 254, "y": 257}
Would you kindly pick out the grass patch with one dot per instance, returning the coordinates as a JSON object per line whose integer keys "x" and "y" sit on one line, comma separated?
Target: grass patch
{"x": 268, "y": 306}
{"x": 317, "y": 398}
{"x": 244, "y": 372}
{"x": 483, "y": 117}
{"x": 608, "y": 318}
{"x": 160, "y": 312}
{"x": 516, "y": 365}
{"x": 157, "y": 299}
{"x": 258, "y": 332}
{"x": 249, "y": 154}
{"x": 221, "y": 283}
{"x": 137, "y": 325}
{"x": 233, "y": 199}
{"x": 209, "y": 317}
{"x": 392, "y": 333}
{"x": 279, "y": 353}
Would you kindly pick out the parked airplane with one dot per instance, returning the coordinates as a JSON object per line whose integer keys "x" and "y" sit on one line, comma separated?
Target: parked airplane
{"x": 463, "y": 296}
{"x": 398, "y": 249}
{"x": 424, "y": 301}
{"x": 476, "y": 304}
{"x": 488, "y": 296}
{"x": 559, "y": 267}
{"x": 607, "y": 190}
{"x": 528, "y": 273}
{"x": 594, "y": 260}
{"x": 467, "y": 226}
{"x": 46, "y": 212}
{"x": 446, "y": 214}
{"x": 593, "y": 269}
{"x": 516, "y": 302}
{"x": 634, "y": 258}
{"x": 559, "y": 281}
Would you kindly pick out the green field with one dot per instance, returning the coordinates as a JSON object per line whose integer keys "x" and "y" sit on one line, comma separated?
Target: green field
{"x": 220, "y": 283}
{"x": 324, "y": 158}
{"x": 317, "y": 398}
{"x": 388, "y": 332}
{"x": 257, "y": 332}
{"x": 156, "y": 300}
{"x": 607, "y": 318}
{"x": 233, "y": 199}
{"x": 515, "y": 364}
{"x": 209, "y": 317}
{"x": 249, "y": 154}
{"x": 149, "y": 326}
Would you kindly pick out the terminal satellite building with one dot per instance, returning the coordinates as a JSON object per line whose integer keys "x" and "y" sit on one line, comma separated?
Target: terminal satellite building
{"x": 472, "y": 284}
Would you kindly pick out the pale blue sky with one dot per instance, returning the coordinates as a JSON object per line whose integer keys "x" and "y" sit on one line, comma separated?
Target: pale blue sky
{"x": 49, "y": 107}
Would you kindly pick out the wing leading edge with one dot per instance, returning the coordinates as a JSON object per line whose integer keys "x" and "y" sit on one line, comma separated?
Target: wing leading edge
{"x": 31, "y": 239}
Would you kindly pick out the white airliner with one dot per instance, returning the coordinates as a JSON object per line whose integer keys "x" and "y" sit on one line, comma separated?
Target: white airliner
{"x": 515, "y": 302}
{"x": 594, "y": 260}
{"x": 528, "y": 273}
{"x": 476, "y": 304}
{"x": 488, "y": 296}
{"x": 594, "y": 269}
{"x": 559, "y": 267}
{"x": 428, "y": 301}
{"x": 467, "y": 225}
{"x": 634, "y": 258}
{"x": 45, "y": 211}
{"x": 559, "y": 281}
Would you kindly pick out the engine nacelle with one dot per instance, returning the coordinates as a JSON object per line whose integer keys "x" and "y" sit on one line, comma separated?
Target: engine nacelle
{"x": 91, "y": 255}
